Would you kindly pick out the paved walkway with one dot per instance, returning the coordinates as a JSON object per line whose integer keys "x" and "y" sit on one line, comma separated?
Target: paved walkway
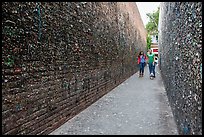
{"x": 138, "y": 106}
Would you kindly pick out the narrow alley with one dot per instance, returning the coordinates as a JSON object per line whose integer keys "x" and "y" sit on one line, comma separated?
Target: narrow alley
{"x": 126, "y": 111}
{"x": 72, "y": 68}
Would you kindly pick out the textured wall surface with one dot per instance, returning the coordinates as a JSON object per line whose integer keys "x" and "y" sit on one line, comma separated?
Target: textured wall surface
{"x": 60, "y": 57}
{"x": 180, "y": 48}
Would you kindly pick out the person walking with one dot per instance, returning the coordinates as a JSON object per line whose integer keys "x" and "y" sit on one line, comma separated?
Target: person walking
{"x": 151, "y": 62}
{"x": 141, "y": 61}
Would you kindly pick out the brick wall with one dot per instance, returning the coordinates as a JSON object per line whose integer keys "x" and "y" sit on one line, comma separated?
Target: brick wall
{"x": 60, "y": 57}
{"x": 180, "y": 48}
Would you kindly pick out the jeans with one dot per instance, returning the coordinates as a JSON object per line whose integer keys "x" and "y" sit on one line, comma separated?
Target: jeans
{"x": 152, "y": 68}
{"x": 142, "y": 65}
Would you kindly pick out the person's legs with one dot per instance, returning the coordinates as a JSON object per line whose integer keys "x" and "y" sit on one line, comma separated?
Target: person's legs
{"x": 153, "y": 69}
{"x": 143, "y": 65}
{"x": 150, "y": 68}
{"x": 140, "y": 69}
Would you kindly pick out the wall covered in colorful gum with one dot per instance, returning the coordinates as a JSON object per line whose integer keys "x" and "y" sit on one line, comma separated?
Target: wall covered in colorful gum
{"x": 180, "y": 48}
{"x": 60, "y": 57}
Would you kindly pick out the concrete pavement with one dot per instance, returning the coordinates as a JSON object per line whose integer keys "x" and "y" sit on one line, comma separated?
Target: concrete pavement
{"x": 138, "y": 106}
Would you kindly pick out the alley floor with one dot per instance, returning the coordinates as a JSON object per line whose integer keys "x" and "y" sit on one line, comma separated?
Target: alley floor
{"x": 138, "y": 106}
